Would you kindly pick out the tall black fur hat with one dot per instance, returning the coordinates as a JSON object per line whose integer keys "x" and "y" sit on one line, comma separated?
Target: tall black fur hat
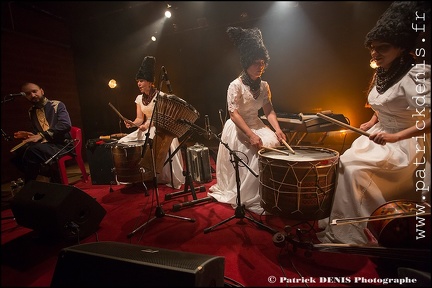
{"x": 147, "y": 69}
{"x": 395, "y": 26}
{"x": 250, "y": 45}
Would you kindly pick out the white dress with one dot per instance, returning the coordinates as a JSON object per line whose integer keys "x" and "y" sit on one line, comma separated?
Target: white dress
{"x": 371, "y": 174}
{"x": 139, "y": 136}
{"x": 225, "y": 190}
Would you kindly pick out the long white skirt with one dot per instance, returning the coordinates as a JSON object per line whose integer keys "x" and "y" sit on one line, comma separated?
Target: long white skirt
{"x": 369, "y": 176}
{"x": 225, "y": 190}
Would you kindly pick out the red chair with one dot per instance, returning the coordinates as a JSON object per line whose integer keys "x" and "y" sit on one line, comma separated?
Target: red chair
{"x": 76, "y": 134}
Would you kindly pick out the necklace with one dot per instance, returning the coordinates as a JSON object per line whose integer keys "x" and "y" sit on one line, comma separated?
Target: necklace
{"x": 146, "y": 99}
{"x": 385, "y": 79}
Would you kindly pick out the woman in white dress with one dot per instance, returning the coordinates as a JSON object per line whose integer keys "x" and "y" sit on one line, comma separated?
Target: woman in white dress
{"x": 390, "y": 164}
{"x": 145, "y": 103}
{"x": 245, "y": 133}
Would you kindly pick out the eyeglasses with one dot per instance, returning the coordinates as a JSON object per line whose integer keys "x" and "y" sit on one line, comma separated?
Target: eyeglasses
{"x": 380, "y": 48}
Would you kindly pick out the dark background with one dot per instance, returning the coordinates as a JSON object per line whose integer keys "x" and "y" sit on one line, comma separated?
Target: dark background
{"x": 318, "y": 61}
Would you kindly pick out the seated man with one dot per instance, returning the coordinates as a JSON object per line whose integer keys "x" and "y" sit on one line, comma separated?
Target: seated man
{"x": 50, "y": 132}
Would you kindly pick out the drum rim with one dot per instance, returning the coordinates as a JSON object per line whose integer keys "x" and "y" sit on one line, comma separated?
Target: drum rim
{"x": 182, "y": 101}
{"x": 336, "y": 153}
{"x": 125, "y": 145}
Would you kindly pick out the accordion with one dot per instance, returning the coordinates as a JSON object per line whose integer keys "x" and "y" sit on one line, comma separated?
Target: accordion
{"x": 198, "y": 162}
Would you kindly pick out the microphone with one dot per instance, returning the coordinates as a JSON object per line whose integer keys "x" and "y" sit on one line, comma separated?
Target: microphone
{"x": 17, "y": 94}
{"x": 165, "y": 76}
{"x": 207, "y": 126}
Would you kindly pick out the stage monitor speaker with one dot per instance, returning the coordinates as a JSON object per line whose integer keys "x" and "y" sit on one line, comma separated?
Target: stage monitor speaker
{"x": 57, "y": 210}
{"x": 114, "y": 264}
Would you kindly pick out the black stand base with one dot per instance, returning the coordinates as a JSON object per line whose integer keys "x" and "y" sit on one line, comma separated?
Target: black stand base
{"x": 240, "y": 214}
{"x": 158, "y": 214}
{"x": 177, "y": 207}
{"x": 192, "y": 190}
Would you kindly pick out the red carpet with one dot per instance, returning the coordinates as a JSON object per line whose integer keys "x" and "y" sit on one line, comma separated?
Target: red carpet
{"x": 251, "y": 257}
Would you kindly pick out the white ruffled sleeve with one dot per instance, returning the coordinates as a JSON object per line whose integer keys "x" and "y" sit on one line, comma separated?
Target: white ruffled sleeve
{"x": 417, "y": 86}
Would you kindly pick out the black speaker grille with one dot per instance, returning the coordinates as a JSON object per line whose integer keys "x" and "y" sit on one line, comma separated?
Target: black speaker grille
{"x": 55, "y": 210}
{"x": 114, "y": 264}
{"x": 150, "y": 255}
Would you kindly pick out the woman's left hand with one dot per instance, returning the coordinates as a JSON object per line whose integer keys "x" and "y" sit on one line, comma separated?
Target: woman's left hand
{"x": 280, "y": 135}
{"x": 143, "y": 127}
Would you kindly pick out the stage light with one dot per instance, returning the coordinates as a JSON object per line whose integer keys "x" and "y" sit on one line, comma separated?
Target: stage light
{"x": 153, "y": 38}
{"x": 112, "y": 83}
{"x": 167, "y": 14}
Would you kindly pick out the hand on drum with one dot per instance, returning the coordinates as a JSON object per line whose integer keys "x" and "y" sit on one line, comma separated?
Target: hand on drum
{"x": 256, "y": 141}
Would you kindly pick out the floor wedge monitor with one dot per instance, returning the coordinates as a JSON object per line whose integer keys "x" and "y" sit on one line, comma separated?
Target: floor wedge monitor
{"x": 57, "y": 210}
{"x": 115, "y": 264}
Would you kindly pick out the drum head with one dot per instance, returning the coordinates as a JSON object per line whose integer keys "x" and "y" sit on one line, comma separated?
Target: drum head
{"x": 131, "y": 144}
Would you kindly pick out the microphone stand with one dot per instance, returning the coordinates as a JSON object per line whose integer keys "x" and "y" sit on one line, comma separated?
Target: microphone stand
{"x": 159, "y": 213}
{"x": 6, "y": 98}
{"x": 240, "y": 211}
{"x": 6, "y": 136}
{"x": 188, "y": 177}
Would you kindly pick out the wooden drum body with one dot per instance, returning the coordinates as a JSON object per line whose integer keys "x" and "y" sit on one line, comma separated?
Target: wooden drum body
{"x": 126, "y": 160}
{"x": 298, "y": 186}
{"x": 405, "y": 224}
{"x": 131, "y": 166}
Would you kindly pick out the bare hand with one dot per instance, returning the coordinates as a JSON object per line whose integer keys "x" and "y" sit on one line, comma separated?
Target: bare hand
{"x": 256, "y": 141}
{"x": 129, "y": 123}
{"x": 22, "y": 135}
{"x": 280, "y": 135}
{"x": 365, "y": 126}
{"x": 143, "y": 127}
{"x": 34, "y": 138}
{"x": 383, "y": 138}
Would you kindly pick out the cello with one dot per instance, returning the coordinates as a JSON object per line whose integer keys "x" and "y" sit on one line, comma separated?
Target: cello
{"x": 401, "y": 229}
{"x": 397, "y": 223}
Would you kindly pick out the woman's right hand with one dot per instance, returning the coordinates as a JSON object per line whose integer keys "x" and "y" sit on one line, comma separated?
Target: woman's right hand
{"x": 22, "y": 135}
{"x": 129, "y": 123}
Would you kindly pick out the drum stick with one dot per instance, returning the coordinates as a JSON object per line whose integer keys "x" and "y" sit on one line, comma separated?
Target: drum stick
{"x": 276, "y": 150}
{"x": 18, "y": 146}
{"x": 287, "y": 146}
{"x": 121, "y": 116}
{"x": 343, "y": 124}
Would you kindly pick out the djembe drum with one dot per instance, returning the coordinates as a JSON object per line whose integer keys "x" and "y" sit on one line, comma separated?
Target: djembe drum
{"x": 169, "y": 109}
